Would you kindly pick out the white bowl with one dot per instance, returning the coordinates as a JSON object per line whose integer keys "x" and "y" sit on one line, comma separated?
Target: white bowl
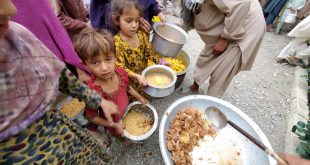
{"x": 252, "y": 155}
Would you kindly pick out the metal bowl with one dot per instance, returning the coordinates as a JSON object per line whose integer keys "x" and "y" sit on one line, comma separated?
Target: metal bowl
{"x": 149, "y": 111}
{"x": 78, "y": 118}
{"x": 160, "y": 92}
{"x": 168, "y": 39}
{"x": 184, "y": 57}
{"x": 251, "y": 153}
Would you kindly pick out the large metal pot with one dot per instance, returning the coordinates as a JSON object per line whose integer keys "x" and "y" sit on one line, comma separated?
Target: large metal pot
{"x": 252, "y": 155}
{"x": 160, "y": 92}
{"x": 184, "y": 57}
{"x": 148, "y": 110}
{"x": 168, "y": 39}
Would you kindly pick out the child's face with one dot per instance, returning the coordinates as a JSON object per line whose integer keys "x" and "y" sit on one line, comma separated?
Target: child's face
{"x": 102, "y": 66}
{"x": 7, "y": 9}
{"x": 129, "y": 21}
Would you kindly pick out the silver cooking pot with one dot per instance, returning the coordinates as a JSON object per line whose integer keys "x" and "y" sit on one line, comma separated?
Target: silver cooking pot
{"x": 164, "y": 91}
{"x": 147, "y": 110}
{"x": 168, "y": 39}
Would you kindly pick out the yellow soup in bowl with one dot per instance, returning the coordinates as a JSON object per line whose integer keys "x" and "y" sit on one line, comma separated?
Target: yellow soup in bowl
{"x": 158, "y": 80}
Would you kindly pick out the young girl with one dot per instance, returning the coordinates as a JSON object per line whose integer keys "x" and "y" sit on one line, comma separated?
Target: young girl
{"x": 132, "y": 46}
{"x": 96, "y": 50}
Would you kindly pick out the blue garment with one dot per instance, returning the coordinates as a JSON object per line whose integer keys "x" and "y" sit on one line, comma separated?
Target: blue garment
{"x": 273, "y": 9}
{"x": 100, "y": 13}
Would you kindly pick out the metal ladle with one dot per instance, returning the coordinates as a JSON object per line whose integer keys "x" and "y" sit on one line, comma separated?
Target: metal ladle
{"x": 219, "y": 121}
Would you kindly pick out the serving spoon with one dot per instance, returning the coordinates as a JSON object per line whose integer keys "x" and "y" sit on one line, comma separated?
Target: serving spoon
{"x": 219, "y": 121}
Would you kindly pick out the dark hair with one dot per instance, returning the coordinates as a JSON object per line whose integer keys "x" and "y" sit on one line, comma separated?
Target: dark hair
{"x": 90, "y": 43}
{"x": 117, "y": 8}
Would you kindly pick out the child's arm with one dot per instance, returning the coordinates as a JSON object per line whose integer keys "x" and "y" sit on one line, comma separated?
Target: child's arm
{"x": 118, "y": 128}
{"x": 100, "y": 121}
{"x": 135, "y": 94}
{"x": 121, "y": 64}
{"x": 140, "y": 79}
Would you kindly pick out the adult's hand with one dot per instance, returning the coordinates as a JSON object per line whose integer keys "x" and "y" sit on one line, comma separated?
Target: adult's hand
{"x": 109, "y": 109}
{"x": 162, "y": 17}
{"x": 145, "y": 26}
{"x": 293, "y": 9}
{"x": 293, "y": 160}
{"x": 220, "y": 46}
{"x": 83, "y": 76}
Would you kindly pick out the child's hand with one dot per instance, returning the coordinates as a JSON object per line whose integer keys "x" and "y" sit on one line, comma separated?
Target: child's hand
{"x": 293, "y": 9}
{"x": 109, "y": 108}
{"x": 162, "y": 17}
{"x": 164, "y": 62}
{"x": 140, "y": 79}
{"x": 118, "y": 129}
{"x": 144, "y": 25}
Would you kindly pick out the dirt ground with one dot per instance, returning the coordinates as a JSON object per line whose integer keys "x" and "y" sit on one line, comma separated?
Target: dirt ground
{"x": 262, "y": 93}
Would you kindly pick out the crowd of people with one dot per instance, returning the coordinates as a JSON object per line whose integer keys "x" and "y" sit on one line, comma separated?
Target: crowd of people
{"x": 278, "y": 12}
{"x": 97, "y": 53}
{"x": 293, "y": 13}
{"x": 38, "y": 59}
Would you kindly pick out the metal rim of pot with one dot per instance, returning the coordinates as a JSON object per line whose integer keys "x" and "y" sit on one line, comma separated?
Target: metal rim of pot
{"x": 174, "y": 26}
{"x": 174, "y": 77}
{"x": 150, "y": 132}
{"x": 189, "y": 64}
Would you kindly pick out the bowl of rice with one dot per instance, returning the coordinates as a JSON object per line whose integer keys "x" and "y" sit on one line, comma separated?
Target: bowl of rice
{"x": 73, "y": 109}
{"x": 140, "y": 121}
{"x": 186, "y": 136}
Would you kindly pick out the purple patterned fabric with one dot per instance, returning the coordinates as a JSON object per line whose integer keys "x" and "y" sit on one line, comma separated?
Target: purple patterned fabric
{"x": 29, "y": 78}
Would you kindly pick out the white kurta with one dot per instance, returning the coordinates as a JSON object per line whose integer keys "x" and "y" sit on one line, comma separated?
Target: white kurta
{"x": 242, "y": 23}
{"x": 297, "y": 46}
{"x": 298, "y": 4}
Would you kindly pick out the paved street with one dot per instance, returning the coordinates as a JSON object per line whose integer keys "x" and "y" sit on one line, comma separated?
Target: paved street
{"x": 262, "y": 93}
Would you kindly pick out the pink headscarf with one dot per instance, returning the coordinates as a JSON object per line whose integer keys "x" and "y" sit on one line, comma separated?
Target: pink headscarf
{"x": 40, "y": 19}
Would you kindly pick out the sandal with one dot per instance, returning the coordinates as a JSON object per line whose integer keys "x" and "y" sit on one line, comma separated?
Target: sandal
{"x": 296, "y": 62}
{"x": 281, "y": 60}
{"x": 102, "y": 137}
{"x": 105, "y": 140}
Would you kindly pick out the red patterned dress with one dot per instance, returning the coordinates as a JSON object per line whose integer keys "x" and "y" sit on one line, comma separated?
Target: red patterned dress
{"x": 119, "y": 97}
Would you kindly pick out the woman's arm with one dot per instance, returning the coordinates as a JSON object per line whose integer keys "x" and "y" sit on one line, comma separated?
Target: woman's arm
{"x": 70, "y": 85}
{"x": 68, "y": 22}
